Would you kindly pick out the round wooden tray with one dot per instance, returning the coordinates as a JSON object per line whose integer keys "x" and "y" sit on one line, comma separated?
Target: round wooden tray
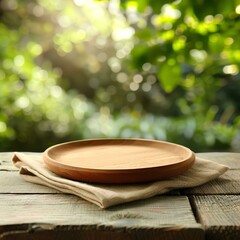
{"x": 118, "y": 160}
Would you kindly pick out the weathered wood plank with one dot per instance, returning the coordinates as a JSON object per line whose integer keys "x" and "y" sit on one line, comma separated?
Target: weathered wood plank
{"x": 111, "y": 234}
{"x": 232, "y": 160}
{"x": 61, "y": 216}
{"x": 228, "y": 183}
{"x": 167, "y": 216}
{"x": 219, "y": 214}
{"x": 5, "y": 162}
{"x": 67, "y": 209}
{"x": 11, "y": 182}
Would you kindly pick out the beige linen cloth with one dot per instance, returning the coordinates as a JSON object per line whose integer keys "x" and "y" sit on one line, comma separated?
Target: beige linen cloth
{"x": 33, "y": 169}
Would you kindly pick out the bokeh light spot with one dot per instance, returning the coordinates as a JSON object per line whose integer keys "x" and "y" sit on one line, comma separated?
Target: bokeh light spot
{"x": 81, "y": 2}
{"x": 56, "y": 91}
{"x": 231, "y": 69}
{"x": 122, "y": 77}
{"x": 228, "y": 41}
{"x": 151, "y": 79}
{"x": 237, "y": 9}
{"x": 64, "y": 21}
{"x": 19, "y": 60}
{"x": 146, "y": 87}
{"x": 122, "y": 34}
{"x": 198, "y": 55}
{"x": 137, "y": 78}
{"x": 146, "y": 67}
{"x": 114, "y": 64}
{"x": 38, "y": 11}
{"x": 22, "y": 102}
{"x": 134, "y": 86}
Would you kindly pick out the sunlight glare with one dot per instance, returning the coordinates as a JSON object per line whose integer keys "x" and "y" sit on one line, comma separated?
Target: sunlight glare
{"x": 231, "y": 69}
{"x": 122, "y": 34}
{"x": 237, "y": 9}
{"x": 81, "y": 2}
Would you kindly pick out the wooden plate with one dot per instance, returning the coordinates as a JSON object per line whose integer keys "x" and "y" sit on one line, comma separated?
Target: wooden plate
{"x": 118, "y": 160}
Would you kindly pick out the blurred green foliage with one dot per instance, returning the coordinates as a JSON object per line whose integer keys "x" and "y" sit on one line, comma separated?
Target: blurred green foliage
{"x": 166, "y": 70}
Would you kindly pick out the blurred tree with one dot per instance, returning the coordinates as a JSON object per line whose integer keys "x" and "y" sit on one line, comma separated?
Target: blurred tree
{"x": 167, "y": 70}
{"x": 192, "y": 47}
{"x": 33, "y": 107}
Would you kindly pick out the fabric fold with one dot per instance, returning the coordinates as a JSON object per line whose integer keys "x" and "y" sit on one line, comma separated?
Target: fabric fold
{"x": 33, "y": 169}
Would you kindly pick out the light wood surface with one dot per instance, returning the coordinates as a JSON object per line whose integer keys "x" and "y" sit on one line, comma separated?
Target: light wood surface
{"x": 118, "y": 160}
{"x": 212, "y": 211}
{"x": 140, "y": 220}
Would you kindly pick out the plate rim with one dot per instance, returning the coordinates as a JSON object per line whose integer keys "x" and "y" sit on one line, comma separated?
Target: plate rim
{"x": 48, "y": 160}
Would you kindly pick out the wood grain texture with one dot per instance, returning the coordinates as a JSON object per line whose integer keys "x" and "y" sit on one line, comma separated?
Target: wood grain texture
{"x": 40, "y": 214}
{"x": 62, "y": 209}
{"x": 5, "y": 162}
{"x": 228, "y": 183}
{"x": 118, "y": 160}
{"x": 219, "y": 214}
{"x": 168, "y": 217}
{"x": 11, "y": 182}
{"x": 232, "y": 160}
{"x": 117, "y": 154}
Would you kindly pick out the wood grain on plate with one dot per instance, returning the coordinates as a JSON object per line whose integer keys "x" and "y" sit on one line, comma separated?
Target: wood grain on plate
{"x": 118, "y": 160}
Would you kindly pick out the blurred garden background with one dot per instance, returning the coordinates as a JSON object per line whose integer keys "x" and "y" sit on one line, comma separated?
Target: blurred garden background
{"x": 80, "y": 69}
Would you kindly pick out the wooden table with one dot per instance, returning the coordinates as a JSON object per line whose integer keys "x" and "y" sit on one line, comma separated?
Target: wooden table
{"x": 211, "y": 211}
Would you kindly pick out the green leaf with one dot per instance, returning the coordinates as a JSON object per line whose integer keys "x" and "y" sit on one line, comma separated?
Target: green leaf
{"x": 145, "y": 34}
{"x": 139, "y": 55}
{"x": 169, "y": 76}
